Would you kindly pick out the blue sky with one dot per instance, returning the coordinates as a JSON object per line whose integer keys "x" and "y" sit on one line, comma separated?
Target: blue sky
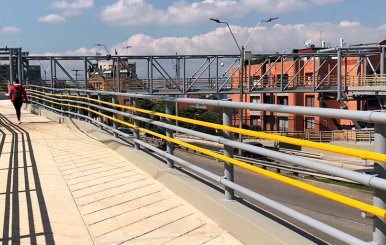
{"x": 167, "y": 26}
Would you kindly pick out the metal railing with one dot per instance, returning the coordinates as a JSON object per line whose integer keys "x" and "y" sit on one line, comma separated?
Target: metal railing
{"x": 354, "y": 136}
{"x": 88, "y": 105}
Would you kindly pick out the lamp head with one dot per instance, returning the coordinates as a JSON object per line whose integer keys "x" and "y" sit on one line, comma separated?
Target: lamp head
{"x": 272, "y": 18}
{"x": 215, "y": 20}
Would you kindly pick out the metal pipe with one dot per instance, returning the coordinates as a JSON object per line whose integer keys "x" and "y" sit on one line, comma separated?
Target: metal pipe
{"x": 135, "y": 102}
{"x": 228, "y": 151}
{"x": 118, "y": 74}
{"x": 379, "y": 229}
{"x": 327, "y": 229}
{"x": 11, "y": 70}
{"x": 365, "y": 116}
{"x": 85, "y": 72}
{"x": 169, "y": 133}
{"x": 382, "y": 61}
{"x": 115, "y": 125}
{"x": 339, "y": 74}
{"x": 336, "y": 171}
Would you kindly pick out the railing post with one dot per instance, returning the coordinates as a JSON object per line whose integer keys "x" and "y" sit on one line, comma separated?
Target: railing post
{"x": 69, "y": 108}
{"x": 88, "y": 112}
{"x": 228, "y": 152}
{"x": 100, "y": 118}
{"x": 169, "y": 133}
{"x": 136, "y": 123}
{"x": 78, "y": 109}
{"x": 379, "y": 229}
{"x": 115, "y": 125}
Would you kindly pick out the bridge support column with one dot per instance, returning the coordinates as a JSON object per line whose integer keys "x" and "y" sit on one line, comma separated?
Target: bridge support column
{"x": 169, "y": 133}
{"x": 379, "y": 229}
{"x": 136, "y": 123}
{"x": 115, "y": 125}
{"x": 228, "y": 151}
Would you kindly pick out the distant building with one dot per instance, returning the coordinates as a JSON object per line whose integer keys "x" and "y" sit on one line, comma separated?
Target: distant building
{"x": 267, "y": 76}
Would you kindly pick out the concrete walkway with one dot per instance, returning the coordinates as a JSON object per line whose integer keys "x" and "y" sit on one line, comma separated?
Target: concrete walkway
{"x": 60, "y": 186}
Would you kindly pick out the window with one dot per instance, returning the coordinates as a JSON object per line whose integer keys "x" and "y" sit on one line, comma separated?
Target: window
{"x": 309, "y": 76}
{"x": 255, "y": 99}
{"x": 282, "y": 100}
{"x": 282, "y": 123}
{"x": 255, "y": 80}
{"x": 310, "y": 101}
{"x": 255, "y": 120}
{"x": 267, "y": 99}
{"x": 310, "y": 122}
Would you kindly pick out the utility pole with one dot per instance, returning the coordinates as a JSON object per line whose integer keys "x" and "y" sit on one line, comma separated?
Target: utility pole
{"x": 76, "y": 73}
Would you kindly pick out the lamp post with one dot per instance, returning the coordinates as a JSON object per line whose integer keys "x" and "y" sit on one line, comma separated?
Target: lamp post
{"x": 102, "y": 45}
{"x": 242, "y": 61}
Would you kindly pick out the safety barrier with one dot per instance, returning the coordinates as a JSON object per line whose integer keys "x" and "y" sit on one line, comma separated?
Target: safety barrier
{"x": 83, "y": 104}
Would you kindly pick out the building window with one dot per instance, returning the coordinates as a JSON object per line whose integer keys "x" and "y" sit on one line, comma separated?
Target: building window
{"x": 283, "y": 123}
{"x": 255, "y": 120}
{"x": 255, "y": 99}
{"x": 310, "y": 122}
{"x": 267, "y": 99}
{"x": 282, "y": 100}
{"x": 309, "y": 76}
{"x": 255, "y": 80}
{"x": 310, "y": 101}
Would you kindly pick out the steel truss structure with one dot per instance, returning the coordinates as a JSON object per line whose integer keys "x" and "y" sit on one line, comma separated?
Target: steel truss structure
{"x": 343, "y": 71}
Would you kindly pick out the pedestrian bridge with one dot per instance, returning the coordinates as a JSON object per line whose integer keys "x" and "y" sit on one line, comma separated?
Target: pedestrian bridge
{"x": 65, "y": 180}
{"x": 61, "y": 185}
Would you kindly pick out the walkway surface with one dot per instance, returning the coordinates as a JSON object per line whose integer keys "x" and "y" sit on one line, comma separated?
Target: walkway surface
{"x": 60, "y": 186}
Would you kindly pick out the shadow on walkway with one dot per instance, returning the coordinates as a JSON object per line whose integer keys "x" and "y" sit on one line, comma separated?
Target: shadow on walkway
{"x": 20, "y": 154}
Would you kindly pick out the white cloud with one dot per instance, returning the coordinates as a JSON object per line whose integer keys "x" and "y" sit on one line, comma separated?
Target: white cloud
{"x": 74, "y": 7}
{"x": 52, "y": 19}
{"x": 139, "y": 12}
{"x": 266, "y": 40}
{"x": 10, "y": 30}
{"x": 134, "y": 12}
{"x": 78, "y": 4}
{"x": 347, "y": 23}
{"x": 324, "y": 2}
{"x": 382, "y": 27}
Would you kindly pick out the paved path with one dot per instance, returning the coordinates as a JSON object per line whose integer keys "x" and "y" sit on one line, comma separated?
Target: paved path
{"x": 59, "y": 186}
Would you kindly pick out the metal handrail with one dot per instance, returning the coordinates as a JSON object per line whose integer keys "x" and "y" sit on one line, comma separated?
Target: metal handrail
{"x": 371, "y": 180}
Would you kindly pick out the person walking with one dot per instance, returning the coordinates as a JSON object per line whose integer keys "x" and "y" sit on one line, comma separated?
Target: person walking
{"x": 17, "y": 94}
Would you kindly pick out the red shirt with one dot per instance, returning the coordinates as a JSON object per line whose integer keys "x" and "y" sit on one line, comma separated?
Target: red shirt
{"x": 12, "y": 91}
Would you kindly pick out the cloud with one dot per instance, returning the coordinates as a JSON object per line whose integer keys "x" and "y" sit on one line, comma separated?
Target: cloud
{"x": 140, "y": 12}
{"x": 52, "y": 19}
{"x": 325, "y": 2}
{"x": 74, "y": 7}
{"x": 10, "y": 30}
{"x": 134, "y": 12}
{"x": 78, "y": 4}
{"x": 347, "y": 23}
{"x": 265, "y": 40}
{"x": 382, "y": 27}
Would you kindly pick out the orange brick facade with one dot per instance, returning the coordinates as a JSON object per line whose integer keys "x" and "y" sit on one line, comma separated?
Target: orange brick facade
{"x": 297, "y": 73}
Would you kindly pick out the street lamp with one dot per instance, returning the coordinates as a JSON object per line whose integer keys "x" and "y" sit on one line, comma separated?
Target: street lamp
{"x": 102, "y": 45}
{"x": 242, "y": 57}
{"x": 230, "y": 30}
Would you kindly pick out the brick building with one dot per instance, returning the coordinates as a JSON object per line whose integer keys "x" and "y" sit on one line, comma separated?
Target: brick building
{"x": 300, "y": 72}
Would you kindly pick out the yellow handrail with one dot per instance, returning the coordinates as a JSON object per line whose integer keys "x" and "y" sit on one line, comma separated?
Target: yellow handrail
{"x": 296, "y": 183}
{"x": 363, "y": 154}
